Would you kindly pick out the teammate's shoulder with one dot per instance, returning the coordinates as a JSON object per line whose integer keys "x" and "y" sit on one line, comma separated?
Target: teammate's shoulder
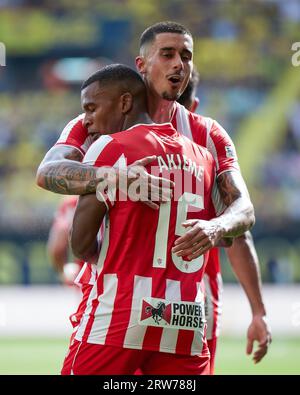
{"x": 213, "y": 127}
{"x": 200, "y": 149}
{"x": 201, "y": 120}
{"x": 196, "y": 119}
{"x": 204, "y": 152}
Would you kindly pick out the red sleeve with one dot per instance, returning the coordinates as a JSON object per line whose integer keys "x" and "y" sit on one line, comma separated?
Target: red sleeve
{"x": 222, "y": 148}
{"x": 75, "y": 135}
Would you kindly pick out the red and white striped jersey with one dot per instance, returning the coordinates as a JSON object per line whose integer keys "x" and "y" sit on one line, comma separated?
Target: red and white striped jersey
{"x": 207, "y": 133}
{"x": 210, "y": 134}
{"x": 204, "y": 131}
{"x": 75, "y": 135}
{"x": 145, "y": 297}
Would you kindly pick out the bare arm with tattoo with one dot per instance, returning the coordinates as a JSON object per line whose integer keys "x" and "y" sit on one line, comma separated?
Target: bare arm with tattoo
{"x": 61, "y": 172}
{"x": 237, "y": 218}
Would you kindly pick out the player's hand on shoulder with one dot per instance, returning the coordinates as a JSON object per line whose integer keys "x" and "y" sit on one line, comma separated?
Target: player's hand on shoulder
{"x": 151, "y": 189}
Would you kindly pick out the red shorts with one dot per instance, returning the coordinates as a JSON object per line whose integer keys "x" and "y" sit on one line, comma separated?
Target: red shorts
{"x": 96, "y": 359}
{"x": 212, "y": 345}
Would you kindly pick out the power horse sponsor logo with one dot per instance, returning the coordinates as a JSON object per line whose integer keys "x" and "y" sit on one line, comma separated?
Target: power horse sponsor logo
{"x": 177, "y": 315}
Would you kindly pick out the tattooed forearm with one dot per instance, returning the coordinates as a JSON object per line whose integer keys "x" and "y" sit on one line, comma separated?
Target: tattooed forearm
{"x": 61, "y": 172}
{"x": 228, "y": 188}
{"x": 70, "y": 178}
{"x": 238, "y": 217}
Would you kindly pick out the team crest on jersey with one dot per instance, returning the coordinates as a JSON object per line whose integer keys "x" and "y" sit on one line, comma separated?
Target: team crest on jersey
{"x": 177, "y": 315}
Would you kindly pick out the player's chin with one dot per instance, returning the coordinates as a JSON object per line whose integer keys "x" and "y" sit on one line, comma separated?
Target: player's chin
{"x": 171, "y": 96}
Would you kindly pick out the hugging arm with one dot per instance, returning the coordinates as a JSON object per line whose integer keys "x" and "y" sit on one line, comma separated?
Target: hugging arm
{"x": 87, "y": 220}
{"x": 236, "y": 219}
{"x": 61, "y": 172}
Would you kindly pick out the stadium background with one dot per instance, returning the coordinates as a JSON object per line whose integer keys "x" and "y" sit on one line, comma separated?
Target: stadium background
{"x": 247, "y": 82}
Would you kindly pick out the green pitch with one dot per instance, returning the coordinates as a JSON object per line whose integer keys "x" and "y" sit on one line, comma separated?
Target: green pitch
{"x": 45, "y": 356}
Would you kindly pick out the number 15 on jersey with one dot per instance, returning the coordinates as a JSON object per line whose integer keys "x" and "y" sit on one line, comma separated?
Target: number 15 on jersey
{"x": 161, "y": 238}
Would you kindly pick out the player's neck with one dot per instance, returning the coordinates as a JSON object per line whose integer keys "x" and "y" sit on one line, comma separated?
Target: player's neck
{"x": 142, "y": 118}
{"x": 160, "y": 110}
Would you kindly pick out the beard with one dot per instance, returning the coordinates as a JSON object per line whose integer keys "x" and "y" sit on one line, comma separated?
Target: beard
{"x": 171, "y": 97}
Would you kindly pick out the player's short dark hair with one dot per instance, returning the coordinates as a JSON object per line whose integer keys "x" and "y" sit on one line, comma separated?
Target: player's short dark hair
{"x": 162, "y": 27}
{"x": 190, "y": 89}
{"x": 127, "y": 78}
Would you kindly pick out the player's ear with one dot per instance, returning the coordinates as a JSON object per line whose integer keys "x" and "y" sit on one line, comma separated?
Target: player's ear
{"x": 140, "y": 64}
{"x": 126, "y": 102}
